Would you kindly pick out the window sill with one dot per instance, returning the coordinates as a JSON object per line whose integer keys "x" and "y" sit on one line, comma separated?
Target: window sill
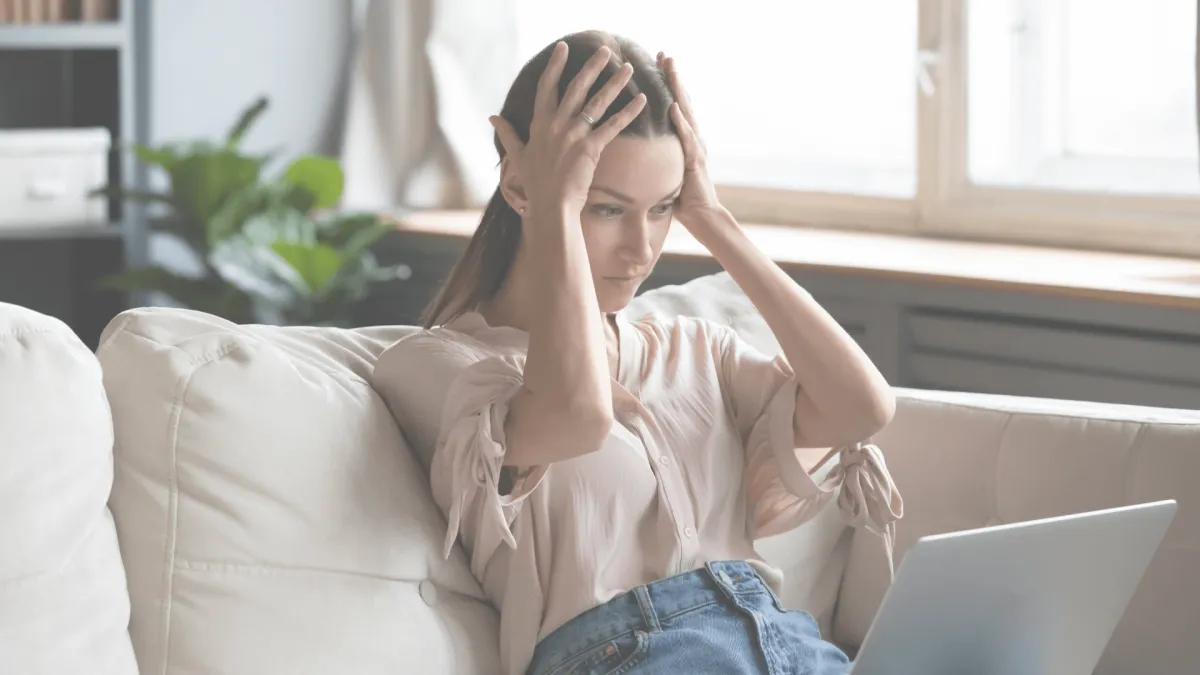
{"x": 1117, "y": 277}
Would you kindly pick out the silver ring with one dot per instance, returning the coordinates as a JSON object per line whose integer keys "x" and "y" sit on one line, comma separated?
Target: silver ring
{"x": 588, "y": 118}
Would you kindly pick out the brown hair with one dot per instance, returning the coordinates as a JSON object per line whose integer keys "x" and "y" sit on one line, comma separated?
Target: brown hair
{"x": 484, "y": 265}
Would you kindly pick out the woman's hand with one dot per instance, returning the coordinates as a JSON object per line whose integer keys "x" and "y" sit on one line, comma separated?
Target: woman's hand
{"x": 698, "y": 198}
{"x": 556, "y": 166}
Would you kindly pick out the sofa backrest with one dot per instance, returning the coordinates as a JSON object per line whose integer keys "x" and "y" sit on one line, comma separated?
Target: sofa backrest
{"x": 272, "y": 518}
{"x": 964, "y": 461}
{"x": 63, "y": 604}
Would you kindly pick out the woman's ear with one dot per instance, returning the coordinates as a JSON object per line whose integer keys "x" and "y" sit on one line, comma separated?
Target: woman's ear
{"x": 512, "y": 187}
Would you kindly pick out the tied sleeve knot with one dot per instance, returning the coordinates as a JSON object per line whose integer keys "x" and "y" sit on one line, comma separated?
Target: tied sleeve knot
{"x": 476, "y": 471}
{"x": 471, "y": 454}
{"x": 868, "y": 496}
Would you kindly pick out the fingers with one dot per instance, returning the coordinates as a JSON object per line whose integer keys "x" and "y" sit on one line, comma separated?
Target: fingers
{"x": 609, "y": 130}
{"x": 681, "y": 96}
{"x": 598, "y": 104}
{"x": 508, "y": 136}
{"x": 572, "y": 101}
{"x": 546, "y": 99}
{"x": 692, "y": 152}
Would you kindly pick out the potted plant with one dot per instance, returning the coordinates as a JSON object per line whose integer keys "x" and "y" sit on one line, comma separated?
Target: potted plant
{"x": 269, "y": 250}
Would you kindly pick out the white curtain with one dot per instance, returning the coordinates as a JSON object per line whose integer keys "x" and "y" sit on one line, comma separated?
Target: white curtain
{"x": 425, "y": 76}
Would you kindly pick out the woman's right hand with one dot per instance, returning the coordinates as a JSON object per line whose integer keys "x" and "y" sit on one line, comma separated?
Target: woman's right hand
{"x": 557, "y": 164}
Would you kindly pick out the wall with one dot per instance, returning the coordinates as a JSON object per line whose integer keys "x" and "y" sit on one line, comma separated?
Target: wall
{"x": 211, "y": 58}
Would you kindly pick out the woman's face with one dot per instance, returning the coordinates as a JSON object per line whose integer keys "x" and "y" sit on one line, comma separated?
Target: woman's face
{"x": 628, "y": 213}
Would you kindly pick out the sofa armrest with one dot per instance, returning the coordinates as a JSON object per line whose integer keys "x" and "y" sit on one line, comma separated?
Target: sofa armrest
{"x": 963, "y": 461}
{"x": 63, "y": 601}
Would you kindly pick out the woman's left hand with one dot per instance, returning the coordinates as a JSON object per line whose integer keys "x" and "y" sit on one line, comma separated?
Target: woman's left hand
{"x": 698, "y": 198}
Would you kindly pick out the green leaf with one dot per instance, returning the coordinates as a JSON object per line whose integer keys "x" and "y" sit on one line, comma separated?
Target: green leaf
{"x": 316, "y": 263}
{"x": 295, "y": 196}
{"x": 202, "y": 182}
{"x": 339, "y": 228}
{"x": 164, "y": 157}
{"x": 232, "y": 214}
{"x": 362, "y": 239}
{"x": 281, "y": 224}
{"x": 249, "y": 202}
{"x": 321, "y": 176}
{"x": 258, "y": 271}
{"x": 245, "y": 121}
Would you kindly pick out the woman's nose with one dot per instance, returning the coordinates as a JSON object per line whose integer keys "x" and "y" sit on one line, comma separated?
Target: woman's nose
{"x": 638, "y": 241}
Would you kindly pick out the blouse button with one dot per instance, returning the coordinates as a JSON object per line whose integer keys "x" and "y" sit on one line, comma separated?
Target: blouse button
{"x": 689, "y": 532}
{"x": 663, "y": 460}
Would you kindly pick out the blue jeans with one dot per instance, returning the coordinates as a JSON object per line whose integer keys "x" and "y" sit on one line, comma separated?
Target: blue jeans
{"x": 721, "y": 618}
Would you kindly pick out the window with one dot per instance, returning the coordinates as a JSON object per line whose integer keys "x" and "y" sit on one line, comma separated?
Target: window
{"x": 1067, "y": 122}
{"x": 763, "y": 77}
{"x": 1086, "y": 95}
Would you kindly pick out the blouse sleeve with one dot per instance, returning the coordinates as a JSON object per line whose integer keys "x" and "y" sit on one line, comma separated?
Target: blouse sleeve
{"x": 466, "y": 466}
{"x": 783, "y": 494}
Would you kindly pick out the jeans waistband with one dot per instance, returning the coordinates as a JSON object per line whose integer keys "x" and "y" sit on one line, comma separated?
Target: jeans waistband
{"x": 644, "y": 607}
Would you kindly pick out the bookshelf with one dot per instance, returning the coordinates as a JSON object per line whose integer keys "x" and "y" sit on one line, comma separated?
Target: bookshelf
{"x": 106, "y": 35}
{"x": 71, "y": 70}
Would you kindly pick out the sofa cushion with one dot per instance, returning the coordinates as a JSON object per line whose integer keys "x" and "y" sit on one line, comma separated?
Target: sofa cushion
{"x": 63, "y": 604}
{"x": 813, "y": 556}
{"x": 272, "y": 517}
{"x": 970, "y": 460}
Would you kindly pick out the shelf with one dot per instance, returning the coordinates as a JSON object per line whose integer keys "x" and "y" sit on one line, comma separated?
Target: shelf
{"x": 1114, "y": 277}
{"x": 59, "y": 232}
{"x": 73, "y": 35}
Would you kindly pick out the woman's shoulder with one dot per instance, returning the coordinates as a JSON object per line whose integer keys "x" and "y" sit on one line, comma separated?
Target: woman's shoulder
{"x": 438, "y": 350}
{"x": 418, "y": 375}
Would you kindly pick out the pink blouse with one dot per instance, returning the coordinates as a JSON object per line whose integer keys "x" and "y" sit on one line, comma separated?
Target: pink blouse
{"x": 700, "y": 462}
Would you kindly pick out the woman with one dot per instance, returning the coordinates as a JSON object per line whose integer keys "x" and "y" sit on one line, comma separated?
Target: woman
{"x": 608, "y": 476}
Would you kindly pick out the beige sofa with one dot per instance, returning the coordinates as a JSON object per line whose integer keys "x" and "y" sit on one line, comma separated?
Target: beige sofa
{"x": 260, "y": 512}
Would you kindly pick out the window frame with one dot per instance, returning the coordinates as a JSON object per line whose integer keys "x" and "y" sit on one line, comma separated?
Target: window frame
{"x": 947, "y": 204}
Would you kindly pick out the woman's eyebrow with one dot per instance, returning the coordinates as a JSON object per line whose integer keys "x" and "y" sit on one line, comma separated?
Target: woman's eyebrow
{"x": 629, "y": 200}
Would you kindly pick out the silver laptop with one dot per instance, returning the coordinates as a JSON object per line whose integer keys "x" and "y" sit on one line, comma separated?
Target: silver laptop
{"x": 1031, "y": 598}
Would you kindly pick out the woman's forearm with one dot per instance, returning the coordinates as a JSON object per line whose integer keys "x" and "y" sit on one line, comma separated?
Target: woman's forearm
{"x": 843, "y": 397}
{"x": 567, "y": 362}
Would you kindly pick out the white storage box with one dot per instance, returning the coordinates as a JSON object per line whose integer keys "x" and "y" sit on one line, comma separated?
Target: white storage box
{"x": 46, "y": 175}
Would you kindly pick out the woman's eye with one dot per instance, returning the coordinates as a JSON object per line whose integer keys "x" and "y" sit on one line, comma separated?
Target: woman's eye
{"x": 663, "y": 209}
{"x": 605, "y": 211}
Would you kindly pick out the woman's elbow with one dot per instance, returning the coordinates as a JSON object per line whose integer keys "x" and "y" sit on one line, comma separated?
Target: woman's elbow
{"x": 879, "y": 411}
{"x": 588, "y": 424}
{"x": 580, "y": 418}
